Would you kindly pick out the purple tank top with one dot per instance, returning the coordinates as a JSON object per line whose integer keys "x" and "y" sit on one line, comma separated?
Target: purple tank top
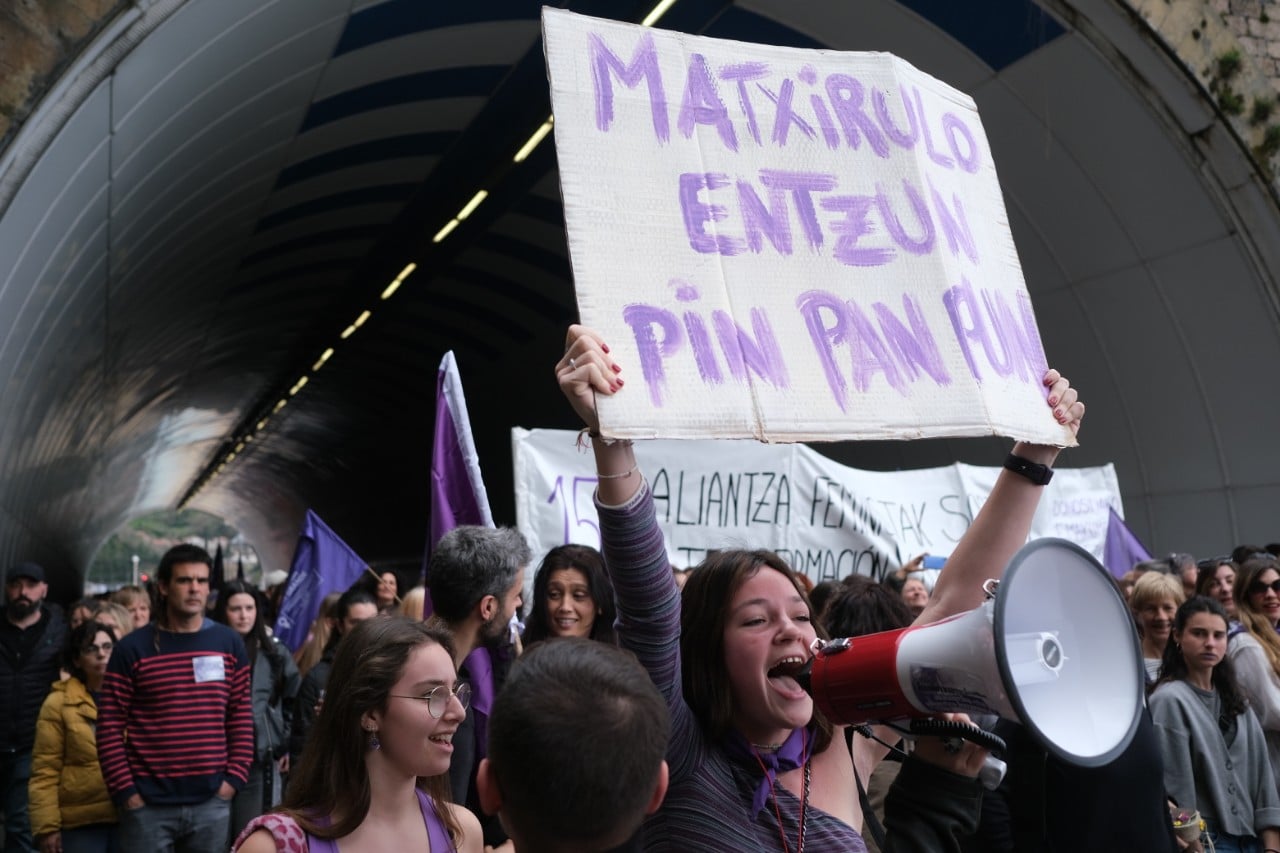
{"x": 437, "y": 834}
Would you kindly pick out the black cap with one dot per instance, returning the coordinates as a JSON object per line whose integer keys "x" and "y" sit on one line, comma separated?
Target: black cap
{"x": 24, "y": 570}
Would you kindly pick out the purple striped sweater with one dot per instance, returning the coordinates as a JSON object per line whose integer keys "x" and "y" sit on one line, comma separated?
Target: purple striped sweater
{"x": 708, "y": 804}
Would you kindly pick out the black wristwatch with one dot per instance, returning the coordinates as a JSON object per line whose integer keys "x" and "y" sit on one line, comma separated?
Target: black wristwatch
{"x": 1033, "y": 471}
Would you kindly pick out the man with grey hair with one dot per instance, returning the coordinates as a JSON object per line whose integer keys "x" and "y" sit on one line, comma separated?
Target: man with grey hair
{"x": 475, "y": 576}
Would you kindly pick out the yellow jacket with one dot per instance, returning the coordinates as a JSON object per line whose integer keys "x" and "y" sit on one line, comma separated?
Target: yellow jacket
{"x": 66, "y": 788}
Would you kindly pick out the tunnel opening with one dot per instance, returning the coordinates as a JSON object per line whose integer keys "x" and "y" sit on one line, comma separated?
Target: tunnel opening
{"x": 132, "y": 554}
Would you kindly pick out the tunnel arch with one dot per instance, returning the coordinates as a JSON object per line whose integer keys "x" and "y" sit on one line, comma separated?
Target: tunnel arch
{"x": 206, "y": 194}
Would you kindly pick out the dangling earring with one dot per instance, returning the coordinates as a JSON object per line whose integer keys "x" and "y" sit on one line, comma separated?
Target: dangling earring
{"x": 374, "y": 743}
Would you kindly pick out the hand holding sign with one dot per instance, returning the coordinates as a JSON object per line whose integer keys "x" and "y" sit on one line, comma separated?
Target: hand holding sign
{"x": 586, "y": 369}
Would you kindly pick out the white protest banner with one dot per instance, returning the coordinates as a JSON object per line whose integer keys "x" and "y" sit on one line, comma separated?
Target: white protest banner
{"x": 788, "y": 244}
{"x": 826, "y": 519}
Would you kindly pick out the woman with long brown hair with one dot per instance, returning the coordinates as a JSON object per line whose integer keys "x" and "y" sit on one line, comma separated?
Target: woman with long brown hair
{"x": 1255, "y": 646}
{"x": 373, "y": 776}
{"x": 753, "y": 765}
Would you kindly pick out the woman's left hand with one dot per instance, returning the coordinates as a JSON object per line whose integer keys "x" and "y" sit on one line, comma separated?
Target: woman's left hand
{"x": 1065, "y": 401}
{"x": 955, "y": 754}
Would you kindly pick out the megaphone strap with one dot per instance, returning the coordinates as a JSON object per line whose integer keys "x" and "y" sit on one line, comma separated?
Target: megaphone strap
{"x": 929, "y": 726}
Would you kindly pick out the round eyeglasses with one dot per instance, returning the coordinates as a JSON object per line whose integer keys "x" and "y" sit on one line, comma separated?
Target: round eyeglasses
{"x": 438, "y": 698}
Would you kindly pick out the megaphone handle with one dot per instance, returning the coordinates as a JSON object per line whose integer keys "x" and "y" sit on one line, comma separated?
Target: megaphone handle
{"x": 930, "y": 727}
{"x": 992, "y": 772}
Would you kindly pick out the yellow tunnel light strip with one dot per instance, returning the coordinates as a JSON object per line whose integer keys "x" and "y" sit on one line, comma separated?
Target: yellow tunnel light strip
{"x": 280, "y": 404}
{"x": 472, "y": 205}
{"x": 445, "y": 231}
{"x": 395, "y": 284}
{"x": 298, "y": 386}
{"x": 533, "y": 141}
{"x": 324, "y": 356}
{"x": 360, "y": 321}
{"x": 657, "y": 12}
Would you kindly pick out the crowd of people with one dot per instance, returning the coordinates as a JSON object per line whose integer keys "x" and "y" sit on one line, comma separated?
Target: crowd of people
{"x": 641, "y": 707}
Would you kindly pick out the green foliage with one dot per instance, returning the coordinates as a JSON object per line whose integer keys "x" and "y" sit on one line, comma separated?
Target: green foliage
{"x": 1231, "y": 103}
{"x": 1262, "y": 110}
{"x": 1229, "y": 64}
{"x": 181, "y": 524}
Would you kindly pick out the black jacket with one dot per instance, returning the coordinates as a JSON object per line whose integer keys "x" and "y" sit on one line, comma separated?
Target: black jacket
{"x": 25, "y": 679}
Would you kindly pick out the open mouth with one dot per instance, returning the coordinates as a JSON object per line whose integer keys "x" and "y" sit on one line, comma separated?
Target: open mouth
{"x": 783, "y": 673}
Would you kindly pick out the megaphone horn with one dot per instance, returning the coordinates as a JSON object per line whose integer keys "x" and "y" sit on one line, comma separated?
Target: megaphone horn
{"x": 1053, "y": 648}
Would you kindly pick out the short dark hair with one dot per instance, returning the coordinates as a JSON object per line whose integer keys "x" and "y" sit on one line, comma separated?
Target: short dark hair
{"x": 587, "y": 560}
{"x": 79, "y": 637}
{"x": 563, "y": 699}
{"x": 863, "y": 606}
{"x": 820, "y": 596}
{"x": 470, "y": 562}
{"x": 350, "y": 598}
{"x": 184, "y": 553}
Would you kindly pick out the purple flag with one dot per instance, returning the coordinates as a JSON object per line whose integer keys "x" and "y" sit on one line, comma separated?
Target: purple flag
{"x": 1122, "y": 549}
{"x": 458, "y": 495}
{"x": 322, "y": 564}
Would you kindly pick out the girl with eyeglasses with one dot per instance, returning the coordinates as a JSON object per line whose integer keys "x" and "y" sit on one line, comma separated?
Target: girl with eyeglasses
{"x": 71, "y": 811}
{"x": 1255, "y": 646}
{"x": 374, "y": 775}
{"x": 1210, "y": 738}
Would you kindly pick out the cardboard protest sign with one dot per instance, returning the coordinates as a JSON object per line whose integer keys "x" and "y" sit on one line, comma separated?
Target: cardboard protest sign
{"x": 826, "y": 519}
{"x": 787, "y": 244}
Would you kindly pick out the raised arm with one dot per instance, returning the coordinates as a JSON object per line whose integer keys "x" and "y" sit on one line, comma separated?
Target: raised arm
{"x": 587, "y": 369}
{"x": 1004, "y": 522}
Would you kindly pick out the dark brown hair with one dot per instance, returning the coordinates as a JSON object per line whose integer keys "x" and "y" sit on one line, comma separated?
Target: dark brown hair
{"x": 703, "y": 615}
{"x": 329, "y": 793}
{"x": 588, "y": 561}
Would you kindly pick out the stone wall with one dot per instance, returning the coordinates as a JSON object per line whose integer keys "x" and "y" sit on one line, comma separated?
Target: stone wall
{"x": 1233, "y": 48}
{"x": 38, "y": 40}
{"x": 1256, "y": 24}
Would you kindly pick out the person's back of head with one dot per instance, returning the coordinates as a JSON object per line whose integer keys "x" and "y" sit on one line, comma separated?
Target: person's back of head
{"x": 414, "y": 603}
{"x": 553, "y": 773}
{"x": 471, "y": 562}
{"x": 863, "y": 606}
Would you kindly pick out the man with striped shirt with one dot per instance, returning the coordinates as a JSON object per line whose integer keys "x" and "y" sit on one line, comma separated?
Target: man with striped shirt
{"x": 175, "y": 719}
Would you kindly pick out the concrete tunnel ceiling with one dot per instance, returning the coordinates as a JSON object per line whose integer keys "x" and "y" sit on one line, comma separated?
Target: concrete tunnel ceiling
{"x": 212, "y": 190}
